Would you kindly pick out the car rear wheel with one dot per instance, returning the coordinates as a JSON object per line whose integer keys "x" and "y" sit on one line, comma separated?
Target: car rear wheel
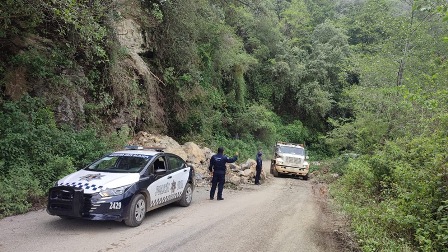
{"x": 187, "y": 196}
{"x": 137, "y": 211}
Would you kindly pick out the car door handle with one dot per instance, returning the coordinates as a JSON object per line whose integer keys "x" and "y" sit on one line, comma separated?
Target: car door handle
{"x": 170, "y": 177}
{"x": 185, "y": 170}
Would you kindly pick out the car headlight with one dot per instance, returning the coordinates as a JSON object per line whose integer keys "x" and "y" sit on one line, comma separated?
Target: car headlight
{"x": 114, "y": 191}
{"x": 279, "y": 161}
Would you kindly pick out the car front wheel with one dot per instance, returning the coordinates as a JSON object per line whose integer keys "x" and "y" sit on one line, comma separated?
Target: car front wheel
{"x": 137, "y": 211}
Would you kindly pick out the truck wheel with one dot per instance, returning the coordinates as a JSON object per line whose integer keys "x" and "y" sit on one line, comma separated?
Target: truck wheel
{"x": 136, "y": 212}
{"x": 187, "y": 196}
{"x": 275, "y": 172}
{"x": 305, "y": 177}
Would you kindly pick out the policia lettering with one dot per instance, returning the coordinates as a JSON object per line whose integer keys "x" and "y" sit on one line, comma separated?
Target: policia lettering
{"x": 169, "y": 186}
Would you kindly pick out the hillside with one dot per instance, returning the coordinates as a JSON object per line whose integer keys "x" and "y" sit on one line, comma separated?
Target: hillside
{"x": 362, "y": 84}
{"x": 84, "y": 62}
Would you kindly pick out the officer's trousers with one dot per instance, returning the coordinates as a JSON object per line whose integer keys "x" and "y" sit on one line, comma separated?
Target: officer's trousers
{"x": 218, "y": 179}
{"x": 257, "y": 176}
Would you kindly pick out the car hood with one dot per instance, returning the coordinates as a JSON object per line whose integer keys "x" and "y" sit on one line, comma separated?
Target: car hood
{"x": 94, "y": 181}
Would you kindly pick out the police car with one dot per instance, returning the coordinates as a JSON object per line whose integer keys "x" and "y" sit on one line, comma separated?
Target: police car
{"x": 123, "y": 186}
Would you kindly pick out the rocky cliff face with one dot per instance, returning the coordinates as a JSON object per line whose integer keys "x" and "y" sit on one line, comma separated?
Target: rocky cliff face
{"x": 133, "y": 83}
{"x": 135, "y": 88}
{"x": 106, "y": 81}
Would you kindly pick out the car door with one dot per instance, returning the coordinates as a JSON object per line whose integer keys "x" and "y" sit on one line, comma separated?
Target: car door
{"x": 179, "y": 173}
{"x": 160, "y": 189}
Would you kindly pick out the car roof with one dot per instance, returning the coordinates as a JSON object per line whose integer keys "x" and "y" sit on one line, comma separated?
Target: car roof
{"x": 149, "y": 152}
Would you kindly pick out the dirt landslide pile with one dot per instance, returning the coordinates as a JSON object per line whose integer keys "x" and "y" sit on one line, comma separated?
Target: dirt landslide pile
{"x": 199, "y": 158}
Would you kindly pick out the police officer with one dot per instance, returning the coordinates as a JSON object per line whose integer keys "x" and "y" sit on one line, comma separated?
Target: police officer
{"x": 258, "y": 168}
{"x": 218, "y": 167}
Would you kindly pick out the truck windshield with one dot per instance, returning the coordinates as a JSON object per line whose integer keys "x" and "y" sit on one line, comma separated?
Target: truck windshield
{"x": 291, "y": 150}
{"x": 120, "y": 163}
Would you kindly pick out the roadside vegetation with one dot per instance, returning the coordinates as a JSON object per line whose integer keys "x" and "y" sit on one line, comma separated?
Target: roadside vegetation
{"x": 362, "y": 83}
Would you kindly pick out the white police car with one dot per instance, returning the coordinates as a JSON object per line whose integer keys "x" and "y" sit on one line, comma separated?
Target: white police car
{"x": 123, "y": 185}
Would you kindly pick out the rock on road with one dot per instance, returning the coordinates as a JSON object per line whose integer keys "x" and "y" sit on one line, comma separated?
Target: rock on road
{"x": 283, "y": 214}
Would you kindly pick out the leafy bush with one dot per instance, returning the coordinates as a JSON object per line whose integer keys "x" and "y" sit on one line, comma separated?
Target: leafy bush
{"x": 397, "y": 197}
{"x": 353, "y": 191}
{"x": 339, "y": 165}
{"x": 35, "y": 153}
{"x": 247, "y": 148}
{"x": 20, "y": 189}
{"x": 433, "y": 235}
{"x": 294, "y": 132}
{"x": 259, "y": 122}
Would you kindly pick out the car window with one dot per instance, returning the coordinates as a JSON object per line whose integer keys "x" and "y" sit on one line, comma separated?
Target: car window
{"x": 175, "y": 163}
{"x": 126, "y": 163}
{"x": 291, "y": 150}
{"x": 159, "y": 164}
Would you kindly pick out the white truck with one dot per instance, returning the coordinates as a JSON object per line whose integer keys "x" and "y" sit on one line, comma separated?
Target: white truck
{"x": 290, "y": 159}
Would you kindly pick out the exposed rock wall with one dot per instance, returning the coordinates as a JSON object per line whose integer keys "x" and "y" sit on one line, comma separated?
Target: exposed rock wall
{"x": 135, "y": 87}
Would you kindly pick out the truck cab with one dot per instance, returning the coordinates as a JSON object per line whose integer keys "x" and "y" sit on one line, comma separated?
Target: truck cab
{"x": 290, "y": 159}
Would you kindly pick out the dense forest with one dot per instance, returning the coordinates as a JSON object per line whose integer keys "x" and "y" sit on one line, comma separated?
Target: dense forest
{"x": 363, "y": 83}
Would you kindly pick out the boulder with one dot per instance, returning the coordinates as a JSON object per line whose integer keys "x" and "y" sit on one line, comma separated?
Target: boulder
{"x": 249, "y": 173}
{"x": 194, "y": 153}
{"x": 234, "y": 167}
{"x": 208, "y": 153}
{"x": 199, "y": 159}
{"x": 149, "y": 140}
{"x": 262, "y": 175}
{"x": 235, "y": 180}
{"x": 250, "y": 164}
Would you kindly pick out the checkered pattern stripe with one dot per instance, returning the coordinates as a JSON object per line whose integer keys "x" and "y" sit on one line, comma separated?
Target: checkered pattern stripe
{"x": 82, "y": 185}
{"x": 165, "y": 199}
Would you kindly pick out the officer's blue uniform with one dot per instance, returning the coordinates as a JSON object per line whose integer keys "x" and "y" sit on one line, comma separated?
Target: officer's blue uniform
{"x": 218, "y": 166}
{"x": 258, "y": 168}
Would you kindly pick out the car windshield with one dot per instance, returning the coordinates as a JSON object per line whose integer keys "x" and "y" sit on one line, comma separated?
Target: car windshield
{"x": 291, "y": 150}
{"x": 120, "y": 162}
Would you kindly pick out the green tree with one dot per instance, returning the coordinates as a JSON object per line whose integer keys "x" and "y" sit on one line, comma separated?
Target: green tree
{"x": 296, "y": 22}
{"x": 399, "y": 130}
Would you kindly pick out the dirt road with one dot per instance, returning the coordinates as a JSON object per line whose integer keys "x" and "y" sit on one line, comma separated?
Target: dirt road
{"x": 282, "y": 214}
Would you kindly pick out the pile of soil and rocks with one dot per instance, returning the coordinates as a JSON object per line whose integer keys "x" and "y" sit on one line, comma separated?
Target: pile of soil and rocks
{"x": 199, "y": 158}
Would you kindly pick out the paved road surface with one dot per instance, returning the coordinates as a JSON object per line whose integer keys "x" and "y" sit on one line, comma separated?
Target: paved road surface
{"x": 282, "y": 214}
